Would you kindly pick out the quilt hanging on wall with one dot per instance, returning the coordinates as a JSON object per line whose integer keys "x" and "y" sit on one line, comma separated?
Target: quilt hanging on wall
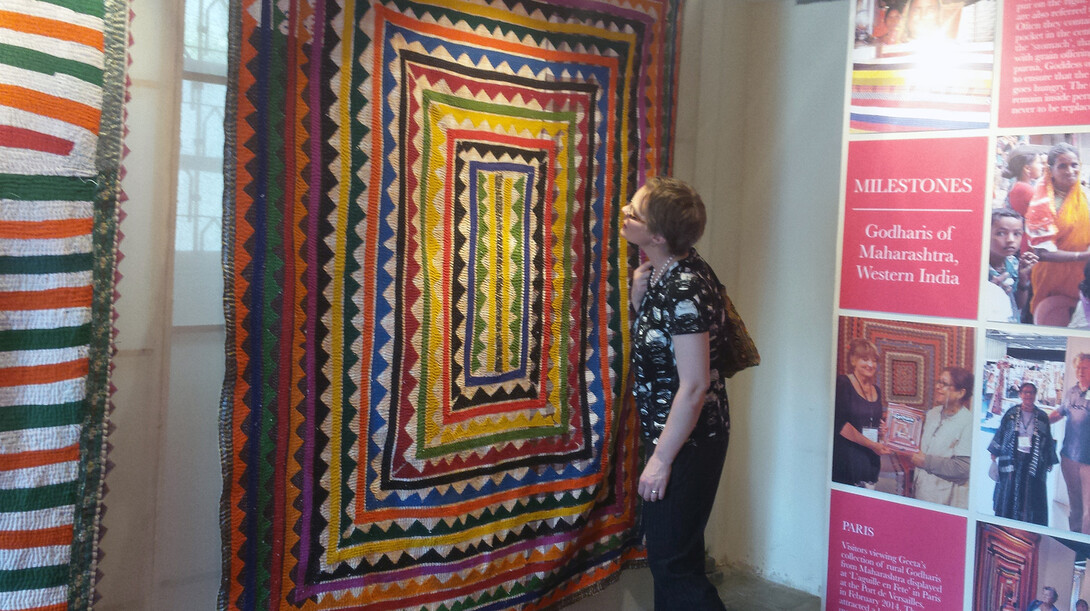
{"x": 427, "y": 300}
{"x": 62, "y": 88}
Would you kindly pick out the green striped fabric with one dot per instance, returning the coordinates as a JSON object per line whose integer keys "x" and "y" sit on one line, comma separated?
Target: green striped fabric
{"x": 59, "y": 192}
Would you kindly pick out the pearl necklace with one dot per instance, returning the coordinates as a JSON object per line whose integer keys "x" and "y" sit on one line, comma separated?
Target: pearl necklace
{"x": 655, "y": 275}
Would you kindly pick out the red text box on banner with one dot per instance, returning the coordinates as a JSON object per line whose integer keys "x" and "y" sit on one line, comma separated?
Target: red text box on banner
{"x": 890, "y": 556}
{"x": 912, "y": 226}
{"x": 1045, "y": 75}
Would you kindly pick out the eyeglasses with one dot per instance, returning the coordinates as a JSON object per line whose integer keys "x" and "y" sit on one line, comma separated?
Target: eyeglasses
{"x": 944, "y": 384}
{"x": 630, "y": 213}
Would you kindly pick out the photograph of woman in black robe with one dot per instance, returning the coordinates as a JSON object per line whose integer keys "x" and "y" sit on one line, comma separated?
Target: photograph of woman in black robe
{"x": 1024, "y": 452}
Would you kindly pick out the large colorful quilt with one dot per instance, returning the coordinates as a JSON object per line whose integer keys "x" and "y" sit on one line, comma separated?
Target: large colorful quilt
{"x": 426, "y": 297}
{"x": 62, "y": 87}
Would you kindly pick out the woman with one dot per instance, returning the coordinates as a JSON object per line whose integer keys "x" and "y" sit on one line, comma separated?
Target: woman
{"x": 1025, "y": 452}
{"x": 942, "y": 464}
{"x": 677, "y": 334}
{"x": 858, "y": 415}
{"x": 1058, "y": 225}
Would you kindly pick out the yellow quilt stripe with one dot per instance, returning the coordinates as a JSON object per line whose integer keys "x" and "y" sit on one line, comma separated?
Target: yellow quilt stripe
{"x": 433, "y": 267}
{"x": 336, "y": 330}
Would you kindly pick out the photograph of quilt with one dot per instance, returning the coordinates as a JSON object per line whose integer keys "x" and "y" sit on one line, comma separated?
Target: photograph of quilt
{"x": 62, "y": 89}
{"x": 931, "y": 72}
{"x": 426, "y": 296}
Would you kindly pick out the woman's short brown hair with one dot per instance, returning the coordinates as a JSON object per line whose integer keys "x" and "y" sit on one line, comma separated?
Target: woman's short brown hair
{"x": 860, "y": 348}
{"x": 674, "y": 210}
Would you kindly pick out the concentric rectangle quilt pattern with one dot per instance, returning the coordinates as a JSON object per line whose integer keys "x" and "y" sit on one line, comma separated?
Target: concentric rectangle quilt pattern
{"x": 425, "y": 402}
{"x": 62, "y": 91}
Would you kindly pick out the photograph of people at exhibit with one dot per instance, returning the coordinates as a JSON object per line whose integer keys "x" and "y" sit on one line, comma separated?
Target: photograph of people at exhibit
{"x": 1039, "y": 242}
{"x": 902, "y": 410}
{"x": 1018, "y": 569}
{"x": 922, "y": 65}
{"x": 1022, "y": 384}
{"x": 1033, "y": 440}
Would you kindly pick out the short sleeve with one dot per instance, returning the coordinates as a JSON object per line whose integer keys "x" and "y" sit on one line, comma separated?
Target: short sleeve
{"x": 688, "y": 311}
{"x": 841, "y": 403}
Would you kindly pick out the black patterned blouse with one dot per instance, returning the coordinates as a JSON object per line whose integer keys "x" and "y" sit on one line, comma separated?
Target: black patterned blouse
{"x": 686, "y": 300}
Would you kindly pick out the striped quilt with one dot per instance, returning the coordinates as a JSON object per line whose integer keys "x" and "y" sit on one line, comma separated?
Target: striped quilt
{"x": 927, "y": 89}
{"x": 62, "y": 65}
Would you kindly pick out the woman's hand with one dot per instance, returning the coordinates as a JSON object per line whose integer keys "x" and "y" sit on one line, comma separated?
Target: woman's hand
{"x": 881, "y": 449}
{"x": 1025, "y": 264}
{"x": 850, "y": 433}
{"x": 640, "y": 278}
{"x": 653, "y": 480}
{"x": 1062, "y": 256}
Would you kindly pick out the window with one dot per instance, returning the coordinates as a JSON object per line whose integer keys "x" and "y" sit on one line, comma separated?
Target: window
{"x": 199, "y": 220}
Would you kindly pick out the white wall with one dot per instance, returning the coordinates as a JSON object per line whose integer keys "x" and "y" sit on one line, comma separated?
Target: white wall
{"x": 759, "y": 134}
{"x": 775, "y": 175}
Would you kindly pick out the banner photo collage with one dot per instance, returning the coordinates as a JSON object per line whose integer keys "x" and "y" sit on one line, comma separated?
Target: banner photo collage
{"x": 960, "y": 471}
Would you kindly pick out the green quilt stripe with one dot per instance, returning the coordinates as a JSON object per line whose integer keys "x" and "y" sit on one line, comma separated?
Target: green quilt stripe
{"x": 484, "y": 210}
{"x": 33, "y": 188}
{"x": 29, "y": 59}
{"x": 94, "y": 8}
{"x": 517, "y": 231}
{"x": 356, "y": 187}
{"x": 47, "y": 264}
{"x": 272, "y": 342}
{"x": 42, "y": 497}
{"x": 19, "y": 417}
{"x": 45, "y": 339}
{"x": 34, "y": 579}
{"x": 570, "y": 118}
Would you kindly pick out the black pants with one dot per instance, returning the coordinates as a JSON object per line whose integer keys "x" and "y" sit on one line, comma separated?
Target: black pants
{"x": 674, "y": 529}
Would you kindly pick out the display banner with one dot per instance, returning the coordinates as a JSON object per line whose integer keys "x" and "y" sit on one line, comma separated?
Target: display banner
{"x": 960, "y": 417}
{"x": 874, "y": 565}
{"x": 912, "y": 230}
{"x": 1045, "y": 79}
